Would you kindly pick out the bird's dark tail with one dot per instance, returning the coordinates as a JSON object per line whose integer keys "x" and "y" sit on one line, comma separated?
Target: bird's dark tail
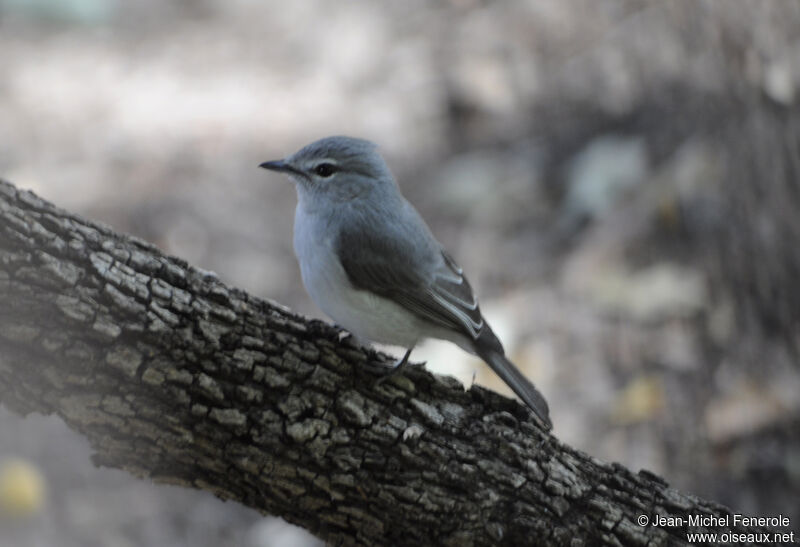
{"x": 511, "y": 375}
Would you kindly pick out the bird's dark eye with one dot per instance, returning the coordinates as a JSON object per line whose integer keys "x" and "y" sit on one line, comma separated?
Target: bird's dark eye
{"x": 325, "y": 170}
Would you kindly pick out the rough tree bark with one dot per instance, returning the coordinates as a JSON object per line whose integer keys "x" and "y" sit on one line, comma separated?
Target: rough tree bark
{"x": 174, "y": 376}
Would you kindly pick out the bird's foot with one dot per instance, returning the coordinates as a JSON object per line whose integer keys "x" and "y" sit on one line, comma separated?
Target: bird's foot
{"x": 395, "y": 369}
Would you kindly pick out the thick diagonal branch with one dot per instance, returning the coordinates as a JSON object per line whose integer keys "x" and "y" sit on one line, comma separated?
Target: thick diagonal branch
{"x": 173, "y": 375}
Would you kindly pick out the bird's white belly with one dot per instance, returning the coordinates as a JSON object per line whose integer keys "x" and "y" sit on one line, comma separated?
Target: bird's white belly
{"x": 365, "y": 314}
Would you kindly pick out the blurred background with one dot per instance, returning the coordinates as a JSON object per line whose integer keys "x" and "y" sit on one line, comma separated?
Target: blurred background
{"x": 620, "y": 178}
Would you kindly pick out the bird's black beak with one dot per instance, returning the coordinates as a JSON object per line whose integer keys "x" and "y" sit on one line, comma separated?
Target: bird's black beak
{"x": 281, "y": 166}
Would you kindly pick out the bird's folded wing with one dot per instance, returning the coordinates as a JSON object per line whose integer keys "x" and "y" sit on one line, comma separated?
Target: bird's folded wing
{"x": 427, "y": 282}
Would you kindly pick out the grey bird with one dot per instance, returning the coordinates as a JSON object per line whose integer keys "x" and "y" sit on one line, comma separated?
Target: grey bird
{"x": 370, "y": 262}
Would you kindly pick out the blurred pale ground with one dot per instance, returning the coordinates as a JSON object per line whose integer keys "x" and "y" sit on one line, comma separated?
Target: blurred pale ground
{"x": 569, "y": 153}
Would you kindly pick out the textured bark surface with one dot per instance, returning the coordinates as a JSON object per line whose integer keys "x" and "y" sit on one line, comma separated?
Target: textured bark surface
{"x": 174, "y": 376}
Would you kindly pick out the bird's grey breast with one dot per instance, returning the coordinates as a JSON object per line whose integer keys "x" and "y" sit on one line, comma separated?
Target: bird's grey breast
{"x": 314, "y": 238}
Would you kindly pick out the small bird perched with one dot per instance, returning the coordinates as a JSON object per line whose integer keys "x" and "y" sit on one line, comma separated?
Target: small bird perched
{"x": 370, "y": 262}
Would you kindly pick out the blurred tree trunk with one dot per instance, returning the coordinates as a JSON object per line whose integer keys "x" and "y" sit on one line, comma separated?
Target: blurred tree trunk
{"x": 174, "y": 376}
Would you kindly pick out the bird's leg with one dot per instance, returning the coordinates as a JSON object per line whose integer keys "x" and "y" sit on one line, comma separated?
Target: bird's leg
{"x": 397, "y": 367}
{"x": 400, "y": 365}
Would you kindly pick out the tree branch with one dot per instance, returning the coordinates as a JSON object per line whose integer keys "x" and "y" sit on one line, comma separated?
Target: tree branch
{"x": 174, "y": 376}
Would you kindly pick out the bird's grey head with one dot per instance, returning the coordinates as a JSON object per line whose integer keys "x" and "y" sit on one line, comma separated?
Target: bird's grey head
{"x": 340, "y": 167}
